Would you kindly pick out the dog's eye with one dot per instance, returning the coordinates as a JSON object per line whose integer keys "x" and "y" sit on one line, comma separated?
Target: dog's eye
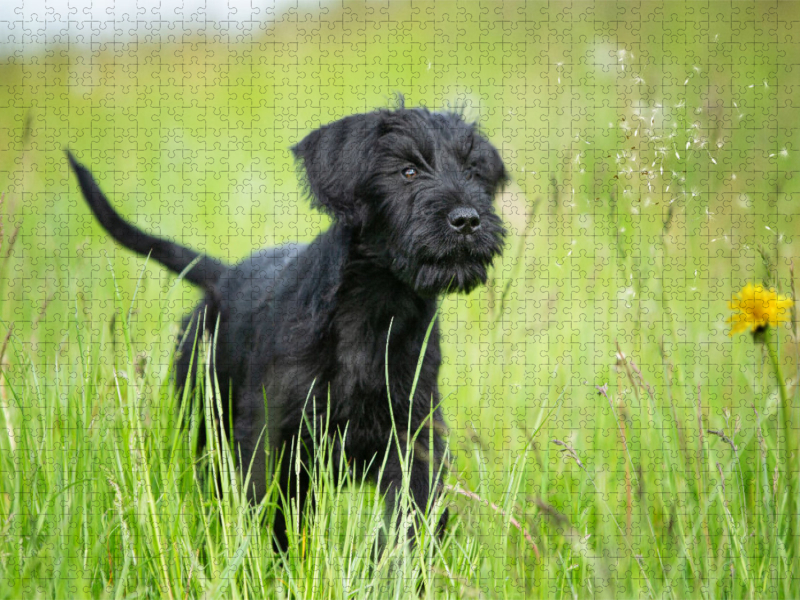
{"x": 409, "y": 173}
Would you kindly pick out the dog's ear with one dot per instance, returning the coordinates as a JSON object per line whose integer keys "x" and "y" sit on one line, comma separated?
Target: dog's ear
{"x": 337, "y": 159}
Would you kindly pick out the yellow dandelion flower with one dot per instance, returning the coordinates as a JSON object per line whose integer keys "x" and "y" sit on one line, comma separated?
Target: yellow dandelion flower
{"x": 757, "y": 308}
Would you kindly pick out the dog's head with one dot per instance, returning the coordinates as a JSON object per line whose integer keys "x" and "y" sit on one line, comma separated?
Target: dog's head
{"x": 418, "y": 186}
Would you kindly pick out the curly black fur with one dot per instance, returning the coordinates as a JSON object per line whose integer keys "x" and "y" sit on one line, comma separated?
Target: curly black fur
{"x": 411, "y": 194}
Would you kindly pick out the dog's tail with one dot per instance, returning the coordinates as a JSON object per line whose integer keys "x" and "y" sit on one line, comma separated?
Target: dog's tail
{"x": 205, "y": 272}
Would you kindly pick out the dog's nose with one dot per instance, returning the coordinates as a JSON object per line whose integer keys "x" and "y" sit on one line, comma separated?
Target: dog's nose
{"x": 464, "y": 220}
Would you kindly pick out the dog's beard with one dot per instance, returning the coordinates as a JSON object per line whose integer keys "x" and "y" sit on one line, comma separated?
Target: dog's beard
{"x": 456, "y": 268}
{"x": 434, "y": 279}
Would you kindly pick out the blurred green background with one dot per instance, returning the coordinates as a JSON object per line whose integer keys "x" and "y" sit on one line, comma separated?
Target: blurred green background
{"x": 652, "y": 148}
{"x": 613, "y": 119}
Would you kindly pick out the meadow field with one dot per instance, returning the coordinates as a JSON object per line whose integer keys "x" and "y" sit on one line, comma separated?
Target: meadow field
{"x": 609, "y": 438}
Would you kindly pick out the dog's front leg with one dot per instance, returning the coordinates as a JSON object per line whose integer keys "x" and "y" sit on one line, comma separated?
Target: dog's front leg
{"x": 294, "y": 485}
{"x": 424, "y": 487}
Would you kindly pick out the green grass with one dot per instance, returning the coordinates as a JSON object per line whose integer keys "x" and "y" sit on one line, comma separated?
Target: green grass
{"x": 654, "y": 168}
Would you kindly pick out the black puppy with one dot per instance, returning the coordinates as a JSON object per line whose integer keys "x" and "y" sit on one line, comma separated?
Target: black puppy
{"x": 410, "y": 192}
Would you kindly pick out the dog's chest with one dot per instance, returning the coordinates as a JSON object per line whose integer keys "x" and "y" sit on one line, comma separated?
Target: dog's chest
{"x": 361, "y": 369}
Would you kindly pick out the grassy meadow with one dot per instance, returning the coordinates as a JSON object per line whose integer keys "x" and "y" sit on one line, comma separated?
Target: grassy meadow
{"x": 609, "y": 438}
